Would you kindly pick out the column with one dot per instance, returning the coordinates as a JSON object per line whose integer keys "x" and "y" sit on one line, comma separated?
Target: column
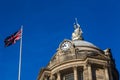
{"x": 52, "y": 77}
{"x": 106, "y": 74}
{"x": 45, "y": 78}
{"x": 85, "y": 73}
{"x": 89, "y": 72}
{"x": 75, "y": 73}
{"x": 111, "y": 76}
{"x": 58, "y": 76}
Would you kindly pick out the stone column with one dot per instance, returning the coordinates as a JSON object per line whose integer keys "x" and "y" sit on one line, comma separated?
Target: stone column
{"x": 89, "y": 72}
{"x": 106, "y": 74}
{"x": 45, "y": 78}
{"x": 58, "y": 76}
{"x": 85, "y": 73}
{"x": 75, "y": 73}
{"x": 52, "y": 77}
{"x": 111, "y": 76}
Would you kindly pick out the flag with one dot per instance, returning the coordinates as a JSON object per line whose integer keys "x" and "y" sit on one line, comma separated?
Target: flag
{"x": 12, "y": 38}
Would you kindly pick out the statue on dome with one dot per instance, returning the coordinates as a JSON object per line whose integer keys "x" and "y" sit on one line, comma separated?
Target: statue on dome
{"x": 77, "y": 34}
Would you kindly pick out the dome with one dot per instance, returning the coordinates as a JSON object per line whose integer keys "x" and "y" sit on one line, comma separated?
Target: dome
{"x": 75, "y": 49}
{"x": 82, "y": 43}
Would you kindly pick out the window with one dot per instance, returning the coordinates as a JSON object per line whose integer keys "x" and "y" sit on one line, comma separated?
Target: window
{"x": 69, "y": 76}
{"x": 80, "y": 76}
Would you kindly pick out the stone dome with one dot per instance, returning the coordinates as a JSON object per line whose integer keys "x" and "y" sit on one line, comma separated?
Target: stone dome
{"x": 79, "y": 51}
{"x": 75, "y": 49}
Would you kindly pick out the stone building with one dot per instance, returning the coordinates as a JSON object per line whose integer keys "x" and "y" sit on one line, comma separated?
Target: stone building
{"x": 78, "y": 59}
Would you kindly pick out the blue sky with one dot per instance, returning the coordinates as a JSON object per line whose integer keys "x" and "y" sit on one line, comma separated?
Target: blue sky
{"x": 47, "y": 23}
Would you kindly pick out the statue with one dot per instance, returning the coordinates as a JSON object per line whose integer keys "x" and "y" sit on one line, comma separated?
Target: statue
{"x": 77, "y": 34}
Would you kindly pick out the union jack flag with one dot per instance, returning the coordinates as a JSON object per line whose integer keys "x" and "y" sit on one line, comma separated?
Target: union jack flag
{"x": 13, "y": 38}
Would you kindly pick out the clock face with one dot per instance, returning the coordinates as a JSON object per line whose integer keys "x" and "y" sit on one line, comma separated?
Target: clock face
{"x": 65, "y": 45}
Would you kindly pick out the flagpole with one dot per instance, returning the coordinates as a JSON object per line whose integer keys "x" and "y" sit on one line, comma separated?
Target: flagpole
{"x": 20, "y": 56}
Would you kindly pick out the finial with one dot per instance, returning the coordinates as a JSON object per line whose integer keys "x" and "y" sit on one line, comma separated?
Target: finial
{"x": 77, "y": 34}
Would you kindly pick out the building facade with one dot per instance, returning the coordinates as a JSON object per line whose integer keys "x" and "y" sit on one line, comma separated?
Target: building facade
{"x": 78, "y": 59}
